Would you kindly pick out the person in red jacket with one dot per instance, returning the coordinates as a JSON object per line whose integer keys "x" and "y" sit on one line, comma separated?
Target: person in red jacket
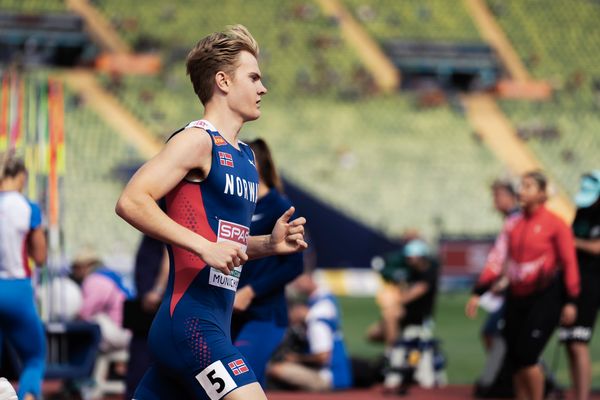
{"x": 535, "y": 256}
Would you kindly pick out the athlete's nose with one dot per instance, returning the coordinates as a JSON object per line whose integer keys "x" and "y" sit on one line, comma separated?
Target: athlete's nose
{"x": 262, "y": 90}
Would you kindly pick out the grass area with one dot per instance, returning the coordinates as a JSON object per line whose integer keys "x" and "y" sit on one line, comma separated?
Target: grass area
{"x": 459, "y": 335}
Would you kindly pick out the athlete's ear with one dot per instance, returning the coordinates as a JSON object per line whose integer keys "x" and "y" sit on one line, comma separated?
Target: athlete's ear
{"x": 222, "y": 81}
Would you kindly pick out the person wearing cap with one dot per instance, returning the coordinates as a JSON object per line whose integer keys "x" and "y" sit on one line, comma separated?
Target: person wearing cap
{"x": 410, "y": 276}
{"x": 406, "y": 312}
{"x": 103, "y": 295}
{"x": 586, "y": 228}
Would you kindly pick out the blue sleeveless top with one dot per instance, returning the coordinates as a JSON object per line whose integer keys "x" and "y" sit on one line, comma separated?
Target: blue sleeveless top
{"x": 219, "y": 208}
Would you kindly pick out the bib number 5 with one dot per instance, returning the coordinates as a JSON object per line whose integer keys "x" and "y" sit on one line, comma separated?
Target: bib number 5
{"x": 216, "y": 381}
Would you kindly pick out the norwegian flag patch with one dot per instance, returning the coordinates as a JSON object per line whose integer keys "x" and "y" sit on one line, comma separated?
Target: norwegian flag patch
{"x": 225, "y": 159}
{"x": 238, "y": 367}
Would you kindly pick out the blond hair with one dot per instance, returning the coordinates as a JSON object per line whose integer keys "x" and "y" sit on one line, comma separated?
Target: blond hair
{"x": 216, "y": 52}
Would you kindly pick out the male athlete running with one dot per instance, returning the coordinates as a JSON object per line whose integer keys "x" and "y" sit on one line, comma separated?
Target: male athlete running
{"x": 210, "y": 183}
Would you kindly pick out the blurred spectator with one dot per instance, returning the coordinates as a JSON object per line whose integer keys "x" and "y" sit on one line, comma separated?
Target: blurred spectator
{"x": 538, "y": 249}
{"x": 103, "y": 297}
{"x": 577, "y": 337}
{"x": 408, "y": 297}
{"x": 506, "y": 202}
{"x": 21, "y": 237}
{"x": 496, "y": 377}
{"x": 260, "y": 313}
{"x": 151, "y": 273}
{"x": 325, "y": 364}
{"x": 407, "y": 309}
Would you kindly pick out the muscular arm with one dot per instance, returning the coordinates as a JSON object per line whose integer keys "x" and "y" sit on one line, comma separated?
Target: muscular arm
{"x": 187, "y": 151}
{"x": 137, "y": 205}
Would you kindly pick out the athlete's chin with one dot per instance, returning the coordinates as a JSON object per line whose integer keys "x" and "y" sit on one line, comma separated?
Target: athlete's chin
{"x": 253, "y": 116}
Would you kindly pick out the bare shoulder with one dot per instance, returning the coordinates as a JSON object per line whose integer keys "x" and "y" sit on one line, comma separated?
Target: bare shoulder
{"x": 192, "y": 147}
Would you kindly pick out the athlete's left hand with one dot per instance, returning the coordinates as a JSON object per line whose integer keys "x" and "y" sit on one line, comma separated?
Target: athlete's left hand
{"x": 568, "y": 314}
{"x": 288, "y": 237}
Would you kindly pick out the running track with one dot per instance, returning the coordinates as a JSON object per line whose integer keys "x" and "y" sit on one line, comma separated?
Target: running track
{"x": 448, "y": 392}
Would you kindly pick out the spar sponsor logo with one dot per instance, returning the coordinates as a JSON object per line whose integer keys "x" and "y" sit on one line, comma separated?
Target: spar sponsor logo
{"x": 233, "y": 233}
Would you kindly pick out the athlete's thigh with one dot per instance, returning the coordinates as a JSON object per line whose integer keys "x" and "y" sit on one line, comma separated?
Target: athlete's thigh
{"x": 200, "y": 355}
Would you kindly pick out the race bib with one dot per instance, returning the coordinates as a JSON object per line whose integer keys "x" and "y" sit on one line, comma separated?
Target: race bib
{"x": 216, "y": 381}
{"x": 233, "y": 233}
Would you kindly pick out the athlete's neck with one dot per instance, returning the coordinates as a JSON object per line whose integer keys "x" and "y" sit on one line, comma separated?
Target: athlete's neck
{"x": 227, "y": 123}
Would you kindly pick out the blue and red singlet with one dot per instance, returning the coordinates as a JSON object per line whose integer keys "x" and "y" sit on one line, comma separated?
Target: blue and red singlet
{"x": 190, "y": 336}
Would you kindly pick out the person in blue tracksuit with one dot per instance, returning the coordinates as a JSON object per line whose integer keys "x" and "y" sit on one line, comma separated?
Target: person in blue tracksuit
{"x": 209, "y": 181}
{"x": 260, "y": 311}
{"x": 21, "y": 236}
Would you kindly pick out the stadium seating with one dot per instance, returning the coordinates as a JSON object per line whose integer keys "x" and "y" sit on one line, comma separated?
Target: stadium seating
{"x": 439, "y": 20}
{"x": 91, "y": 186}
{"x": 566, "y": 58}
{"x": 33, "y": 6}
{"x": 301, "y": 49}
{"x": 334, "y": 141}
{"x": 385, "y": 160}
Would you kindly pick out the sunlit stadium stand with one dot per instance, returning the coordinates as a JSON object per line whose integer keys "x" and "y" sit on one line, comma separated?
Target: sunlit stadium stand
{"x": 563, "y": 132}
{"x": 94, "y": 154}
{"x": 332, "y": 143}
{"x": 415, "y": 19}
{"x": 301, "y": 49}
{"x": 33, "y": 6}
{"x": 408, "y": 159}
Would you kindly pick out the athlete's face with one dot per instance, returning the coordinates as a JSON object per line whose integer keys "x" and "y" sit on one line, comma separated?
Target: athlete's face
{"x": 530, "y": 193}
{"x": 246, "y": 88}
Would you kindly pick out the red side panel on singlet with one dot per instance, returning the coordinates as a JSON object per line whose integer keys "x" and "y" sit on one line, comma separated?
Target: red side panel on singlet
{"x": 187, "y": 208}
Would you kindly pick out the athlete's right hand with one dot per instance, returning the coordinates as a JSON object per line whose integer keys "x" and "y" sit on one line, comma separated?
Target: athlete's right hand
{"x": 471, "y": 306}
{"x": 223, "y": 256}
